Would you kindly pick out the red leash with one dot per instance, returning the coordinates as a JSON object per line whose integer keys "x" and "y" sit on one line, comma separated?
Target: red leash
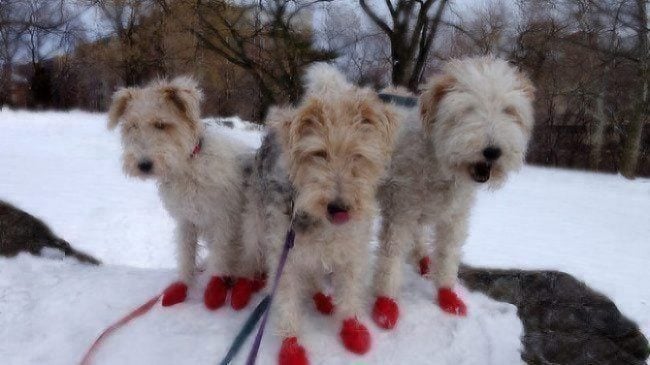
{"x": 146, "y": 307}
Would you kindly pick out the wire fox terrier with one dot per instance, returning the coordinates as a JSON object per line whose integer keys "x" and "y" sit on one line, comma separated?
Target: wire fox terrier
{"x": 473, "y": 127}
{"x": 320, "y": 164}
{"x": 200, "y": 177}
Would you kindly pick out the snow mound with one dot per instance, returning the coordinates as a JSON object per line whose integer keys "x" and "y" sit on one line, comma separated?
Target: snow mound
{"x": 52, "y": 311}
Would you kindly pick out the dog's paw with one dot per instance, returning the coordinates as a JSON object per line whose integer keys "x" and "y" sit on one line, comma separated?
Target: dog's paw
{"x": 425, "y": 264}
{"x": 449, "y": 302}
{"x": 355, "y": 336}
{"x": 242, "y": 291}
{"x": 174, "y": 294}
{"x": 292, "y": 353}
{"x": 385, "y": 313}
{"x": 259, "y": 282}
{"x": 215, "y": 293}
{"x": 323, "y": 303}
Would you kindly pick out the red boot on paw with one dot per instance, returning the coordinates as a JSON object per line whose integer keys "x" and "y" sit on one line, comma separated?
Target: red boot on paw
{"x": 241, "y": 294}
{"x": 174, "y": 294}
{"x": 292, "y": 353}
{"x": 323, "y": 303}
{"x": 259, "y": 283}
{"x": 449, "y": 301}
{"x": 355, "y": 336}
{"x": 385, "y": 313}
{"x": 215, "y": 293}
{"x": 425, "y": 263}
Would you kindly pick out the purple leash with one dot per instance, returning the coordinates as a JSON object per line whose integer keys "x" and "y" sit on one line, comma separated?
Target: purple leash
{"x": 288, "y": 244}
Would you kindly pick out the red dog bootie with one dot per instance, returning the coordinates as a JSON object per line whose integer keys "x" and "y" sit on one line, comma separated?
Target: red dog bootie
{"x": 355, "y": 336}
{"x": 323, "y": 303}
{"x": 215, "y": 293}
{"x": 241, "y": 294}
{"x": 292, "y": 353}
{"x": 449, "y": 301}
{"x": 425, "y": 264}
{"x": 174, "y": 294}
{"x": 385, "y": 312}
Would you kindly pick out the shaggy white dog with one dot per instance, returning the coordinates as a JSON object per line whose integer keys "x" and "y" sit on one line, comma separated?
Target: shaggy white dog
{"x": 473, "y": 128}
{"x": 327, "y": 155}
{"x": 200, "y": 180}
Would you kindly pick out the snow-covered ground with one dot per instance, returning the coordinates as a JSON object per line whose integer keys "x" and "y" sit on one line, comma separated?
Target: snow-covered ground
{"x": 65, "y": 169}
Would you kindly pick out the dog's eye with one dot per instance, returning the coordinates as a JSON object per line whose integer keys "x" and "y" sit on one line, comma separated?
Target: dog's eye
{"x": 322, "y": 154}
{"x": 367, "y": 121}
{"x": 511, "y": 111}
{"x": 160, "y": 125}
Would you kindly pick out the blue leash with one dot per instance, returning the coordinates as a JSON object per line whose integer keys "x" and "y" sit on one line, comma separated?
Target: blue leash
{"x": 261, "y": 311}
{"x": 246, "y": 330}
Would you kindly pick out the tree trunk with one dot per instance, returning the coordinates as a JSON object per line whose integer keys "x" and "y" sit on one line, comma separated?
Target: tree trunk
{"x": 632, "y": 147}
{"x": 598, "y": 135}
{"x": 401, "y": 64}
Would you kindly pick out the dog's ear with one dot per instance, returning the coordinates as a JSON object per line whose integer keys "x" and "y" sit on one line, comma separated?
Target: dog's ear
{"x": 186, "y": 96}
{"x": 308, "y": 120}
{"x": 435, "y": 91}
{"x": 120, "y": 101}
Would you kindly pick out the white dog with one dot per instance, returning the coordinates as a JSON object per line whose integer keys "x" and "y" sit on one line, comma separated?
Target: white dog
{"x": 473, "y": 128}
{"x": 200, "y": 180}
{"x": 327, "y": 155}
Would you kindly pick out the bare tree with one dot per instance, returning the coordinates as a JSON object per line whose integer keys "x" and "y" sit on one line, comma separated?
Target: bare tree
{"x": 411, "y": 27}
{"x": 638, "y": 23}
{"x": 35, "y": 30}
{"x": 271, "y": 40}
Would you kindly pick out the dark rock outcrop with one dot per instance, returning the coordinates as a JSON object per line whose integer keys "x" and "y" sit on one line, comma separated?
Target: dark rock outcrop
{"x": 565, "y": 321}
{"x": 22, "y": 232}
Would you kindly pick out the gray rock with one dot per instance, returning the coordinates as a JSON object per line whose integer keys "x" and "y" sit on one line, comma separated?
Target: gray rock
{"x": 565, "y": 321}
{"x": 22, "y": 232}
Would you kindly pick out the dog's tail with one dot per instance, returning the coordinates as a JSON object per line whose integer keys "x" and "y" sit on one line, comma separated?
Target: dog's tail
{"x": 65, "y": 247}
{"x": 323, "y": 78}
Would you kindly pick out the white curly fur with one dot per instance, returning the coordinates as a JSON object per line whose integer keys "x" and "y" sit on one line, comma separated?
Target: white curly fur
{"x": 475, "y": 103}
{"x": 334, "y": 146}
{"x": 160, "y": 123}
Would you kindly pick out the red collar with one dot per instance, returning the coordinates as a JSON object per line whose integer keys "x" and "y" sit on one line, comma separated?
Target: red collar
{"x": 197, "y": 148}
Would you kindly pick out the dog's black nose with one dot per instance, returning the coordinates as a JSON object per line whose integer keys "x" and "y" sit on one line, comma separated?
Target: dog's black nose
{"x": 145, "y": 165}
{"x": 492, "y": 153}
{"x": 336, "y": 207}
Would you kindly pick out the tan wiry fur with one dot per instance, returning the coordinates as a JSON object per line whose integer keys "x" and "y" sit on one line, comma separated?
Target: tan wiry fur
{"x": 331, "y": 148}
{"x": 160, "y": 124}
{"x": 473, "y": 104}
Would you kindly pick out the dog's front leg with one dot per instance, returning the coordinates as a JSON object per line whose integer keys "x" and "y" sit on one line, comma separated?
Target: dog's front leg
{"x": 450, "y": 234}
{"x": 288, "y": 308}
{"x": 218, "y": 265}
{"x": 349, "y": 284}
{"x": 394, "y": 242}
{"x": 186, "y": 242}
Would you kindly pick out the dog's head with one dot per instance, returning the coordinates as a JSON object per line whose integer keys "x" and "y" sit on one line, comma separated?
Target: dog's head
{"x": 337, "y": 143}
{"x": 479, "y": 115}
{"x": 160, "y": 125}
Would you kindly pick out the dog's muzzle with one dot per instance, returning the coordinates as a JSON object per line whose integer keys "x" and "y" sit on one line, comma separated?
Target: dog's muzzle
{"x": 338, "y": 213}
{"x": 480, "y": 171}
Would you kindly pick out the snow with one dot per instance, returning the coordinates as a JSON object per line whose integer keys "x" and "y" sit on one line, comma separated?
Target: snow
{"x": 65, "y": 169}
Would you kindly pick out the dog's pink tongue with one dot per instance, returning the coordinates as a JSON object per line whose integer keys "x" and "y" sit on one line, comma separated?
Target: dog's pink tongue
{"x": 340, "y": 217}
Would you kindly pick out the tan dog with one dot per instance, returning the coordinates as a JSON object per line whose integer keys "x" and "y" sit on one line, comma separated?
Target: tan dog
{"x": 326, "y": 155}
{"x": 199, "y": 175}
{"x": 474, "y": 124}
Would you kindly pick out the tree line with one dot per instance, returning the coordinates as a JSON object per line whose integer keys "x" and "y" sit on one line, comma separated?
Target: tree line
{"x": 588, "y": 58}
